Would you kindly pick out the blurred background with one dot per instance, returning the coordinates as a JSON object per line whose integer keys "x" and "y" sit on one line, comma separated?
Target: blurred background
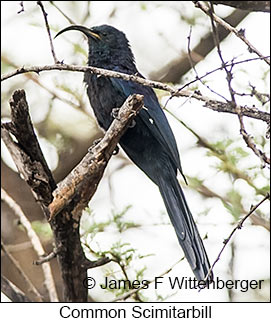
{"x": 126, "y": 218}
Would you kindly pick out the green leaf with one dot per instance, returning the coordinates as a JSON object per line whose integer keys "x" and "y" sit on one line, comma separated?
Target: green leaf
{"x": 42, "y": 229}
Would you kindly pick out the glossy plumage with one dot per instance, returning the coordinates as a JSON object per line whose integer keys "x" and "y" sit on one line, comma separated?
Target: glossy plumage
{"x": 150, "y": 143}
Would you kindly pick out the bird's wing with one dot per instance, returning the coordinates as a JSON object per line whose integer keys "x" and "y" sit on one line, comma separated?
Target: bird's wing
{"x": 153, "y": 116}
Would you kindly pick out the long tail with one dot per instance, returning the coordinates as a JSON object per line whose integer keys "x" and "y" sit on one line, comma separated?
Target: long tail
{"x": 184, "y": 226}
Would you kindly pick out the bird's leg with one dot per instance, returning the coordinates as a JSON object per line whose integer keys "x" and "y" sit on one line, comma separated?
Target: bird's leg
{"x": 115, "y": 113}
{"x": 95, "y": 142}
{"x": 132, "y": 124}
{"x": 116, "y": 150}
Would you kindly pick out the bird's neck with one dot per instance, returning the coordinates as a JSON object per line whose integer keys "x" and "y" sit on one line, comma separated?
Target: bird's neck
{"x": 113, "y": 60}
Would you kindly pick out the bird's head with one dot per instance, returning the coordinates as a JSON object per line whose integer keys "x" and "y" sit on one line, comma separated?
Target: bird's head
{"x": 108, "y": 46}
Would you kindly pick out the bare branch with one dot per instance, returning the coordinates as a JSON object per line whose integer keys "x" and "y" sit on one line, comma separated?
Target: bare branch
{"x": 238, "y": 33}
{"x": 37, "y": 246}
{"x": 194, "y": 68}
{"x": 215, "y": 105}
{"x": 173, "y": 71}
{"x": 65, "y": 226}
{"x": 238, "y": 226}
{"x": 63, "y": 13}
{"x": 12, "y": 291}
{"x": 229, "y": 77}
{"x": 81, "y": 176}
{"x": 34, "y": 78}
{"x": 259, "y": 220}
{"x": 221, "y": 155}
{"x": 134, "y": 291}
{"x": 47, "y": 258}
{"x": 227, "y": 64}
{"x": 22, "y": 7}
{"x": 25, "y": 278}
{"x": 250, "y": 143}
{"x": 263, "y": 6}
{"x": 48, "y": 31}
{"x": 28, "y": 158}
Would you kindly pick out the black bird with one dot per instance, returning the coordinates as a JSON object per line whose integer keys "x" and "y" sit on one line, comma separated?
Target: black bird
{"x": 150, "y": 143}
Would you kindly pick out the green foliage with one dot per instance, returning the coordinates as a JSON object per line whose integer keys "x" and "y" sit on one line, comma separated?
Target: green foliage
{"x": 143, "y": 6}
{"x": 43, "y": 229}
{"x": 230, "y": 157}
{"x": 125, "y": 256}
{"x": 122, "y": 254}
{"x": 234, "y": 204}
{"x": 122, "y": 225}
{"x": 116, "y": 220}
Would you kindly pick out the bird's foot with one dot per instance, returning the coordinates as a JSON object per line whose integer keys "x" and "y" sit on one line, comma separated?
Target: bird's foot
{"x": 132, "y": 124}
{"x": 95, "y": 142}
{"x": 115, "y": 113}
{"x": 116, "y": 150}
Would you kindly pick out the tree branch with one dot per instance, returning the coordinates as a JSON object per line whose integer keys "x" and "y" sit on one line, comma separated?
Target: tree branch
{"x": 238, "y": 226}
{"x": 215, "y": 105}
{"x": 229, "y": 77}
{"x": 31, "y": 164}
{"x": 39, "y": 3}
{"x": 81, "y": 182}
{"x": 12, "y": 291}
{"x": 48, "y": 277}
{"x": 25, "y": 278}
{"x": 43, "y": 259}
{"x": 134, "y": 291}
{"x": 173, "y": 71}
{"x": 238, "y": 33}
{"x": 263, "y": 6}
{"x": 71, "y": 21}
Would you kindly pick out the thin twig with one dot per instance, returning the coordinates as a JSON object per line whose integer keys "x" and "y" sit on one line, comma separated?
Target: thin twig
{"x": 195, "y": 70}
{"x": 238, "y": 33}
{"x": 25, "y": 278}
{"x": 63, "y": 13}
{"x": 229, "y": 77}
{"x": 262, "y": 97}
{"x": 248, "y": 139}
{"x": 253, "y": 6}
{"x": 48, "y": 277}
{"x": 48, "y": 31}
{"x": 134, "y": 291}
{"x": 221, "y": 155}
{"x": 53, "y": 93}
{"x": 22, "y": 7}
{"x": 238, "y": 226}
{"x": 209, "y": 103}
{"x": 47, "y": 258}
{"x": 228, "y": 64}
{"x": 217, "y": 43}
{"x": 12, "y": 291}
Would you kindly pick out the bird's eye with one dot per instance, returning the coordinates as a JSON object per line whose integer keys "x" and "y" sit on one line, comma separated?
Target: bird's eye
{"x": 104, "y": 34}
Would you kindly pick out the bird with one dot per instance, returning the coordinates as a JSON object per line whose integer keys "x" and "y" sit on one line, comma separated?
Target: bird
{"x": 149, "y": 142}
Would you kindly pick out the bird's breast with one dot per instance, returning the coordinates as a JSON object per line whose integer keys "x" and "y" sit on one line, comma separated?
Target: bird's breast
{"x": 103, "y": 97}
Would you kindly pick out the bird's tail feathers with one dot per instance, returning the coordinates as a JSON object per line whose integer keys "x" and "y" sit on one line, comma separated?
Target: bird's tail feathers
{"x": 185, "y": 227}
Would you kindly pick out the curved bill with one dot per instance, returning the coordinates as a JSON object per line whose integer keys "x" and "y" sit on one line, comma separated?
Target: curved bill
{"x": 88, "y": 32}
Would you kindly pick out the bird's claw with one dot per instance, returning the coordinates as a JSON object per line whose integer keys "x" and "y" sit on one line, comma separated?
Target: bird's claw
{"x": 95, "y": 142}
{"x": 115, "y": 113}
{"x": 116, "y": 150}
{"x": 132, "y": 124}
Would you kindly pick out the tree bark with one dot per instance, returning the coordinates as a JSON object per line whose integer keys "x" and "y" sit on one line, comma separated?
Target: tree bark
{"x": 12, "y": 291}
{"x": 64, "y": 220}
{"x": 263, "y": 6}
